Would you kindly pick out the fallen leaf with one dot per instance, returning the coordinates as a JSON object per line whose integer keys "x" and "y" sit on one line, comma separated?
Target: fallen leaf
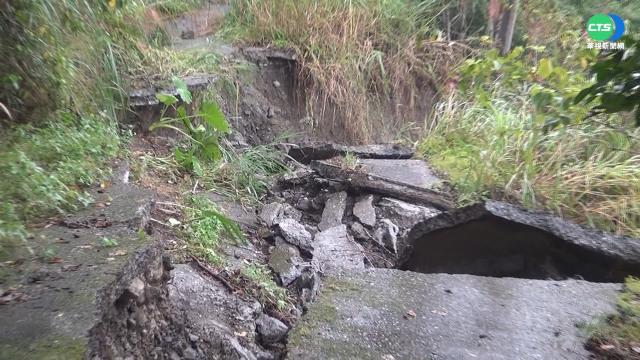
{"x": 607, "y": 347}
{"x": 55, "y": 260}
{"x": 118, "y": 253}
{"x": 410, "y": 314}
{"x": 241, "y": 334}
{"x": 70, "y": 267}
{"x": 635, "y": 349}
{"x": 103, "y": 223}
{"x": 173, "y": 222}
{"x": 11, "y": 295}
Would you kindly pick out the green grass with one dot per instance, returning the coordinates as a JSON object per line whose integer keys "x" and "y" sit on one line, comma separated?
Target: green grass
{"x": 588, "y": 171}
{"x": 176, "y": 7}
{"x": 269, "y": 293}
{"x": 616, "y": 336}
{"x": 206, "y": 227}
{"x": 62, "y": 83}
{"x": 245, "y": 174}
{"x": 45, "y": 170}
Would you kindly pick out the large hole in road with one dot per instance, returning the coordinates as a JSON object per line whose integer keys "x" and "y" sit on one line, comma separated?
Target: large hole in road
{"x": 492, "y": 246}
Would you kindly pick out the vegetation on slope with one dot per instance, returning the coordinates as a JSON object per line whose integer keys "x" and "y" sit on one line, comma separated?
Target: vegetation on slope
{"x": 355, "y": 55}
{"x": 61, "y": 86}
{"x": 522, "y": 137}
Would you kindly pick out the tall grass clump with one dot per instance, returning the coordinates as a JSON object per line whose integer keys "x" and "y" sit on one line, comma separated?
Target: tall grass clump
{"x": 61, "y": 83}
{"x": 588, "y": 171}
{"x": 357, "y": 57}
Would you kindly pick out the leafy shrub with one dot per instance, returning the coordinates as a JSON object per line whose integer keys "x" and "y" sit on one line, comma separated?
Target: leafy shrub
{"x": 617, "y": 86}
{"x": 203, "y": 130}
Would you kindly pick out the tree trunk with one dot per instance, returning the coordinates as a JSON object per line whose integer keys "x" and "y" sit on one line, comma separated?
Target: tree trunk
{"x": 508, "y": 26}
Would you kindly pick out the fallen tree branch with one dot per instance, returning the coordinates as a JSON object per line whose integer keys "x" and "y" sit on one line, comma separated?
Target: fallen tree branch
{"x": 217, "y": 276}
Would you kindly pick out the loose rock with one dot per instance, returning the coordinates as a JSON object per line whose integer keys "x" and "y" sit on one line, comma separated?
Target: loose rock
{"x": 387, "y": 235}
{"x": 284, "y": 260}
{"x": 364, "y": 210}
{"x": 295, "y": 233}
{"x": 271, "y": 330}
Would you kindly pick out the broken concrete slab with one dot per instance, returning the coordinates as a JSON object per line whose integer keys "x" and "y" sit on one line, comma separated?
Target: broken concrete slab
{"x": 383, "y": 313}
{"x": 305, "y": 153}
{"x": 403, "y": 214}
{"x": 214, "y": 314}
{"x": 244, "y": 215}
{"x": 295, "y": 233}
{"x": 490, "y": 238}
{"x": 284, "y": 260}
{"x": 272, "y": 213}
{"x": 410, "y": 172}
{"x": 365, "y": 212}
{"x": 61, "y": 300}
{"x": 412, "y": 189}
{"x": 335, "y": 251}
{"x": 333, "y": 211}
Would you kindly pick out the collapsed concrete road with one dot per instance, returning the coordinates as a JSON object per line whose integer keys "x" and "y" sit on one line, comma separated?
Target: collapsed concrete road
{"x": 393, "y": 314}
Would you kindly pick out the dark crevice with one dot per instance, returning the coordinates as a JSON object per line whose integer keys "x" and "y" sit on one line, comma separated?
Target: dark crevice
{"x": 492, "y": 246}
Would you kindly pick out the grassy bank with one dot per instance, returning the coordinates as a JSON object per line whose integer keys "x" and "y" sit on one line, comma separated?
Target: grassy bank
{"x": 62, "y": 85}
{"x": 513, "y": 131}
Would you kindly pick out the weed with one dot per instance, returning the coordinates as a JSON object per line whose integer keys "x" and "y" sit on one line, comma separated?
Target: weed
{"x": 350, "y": 161}
{"x": 245, "y": 174}
{"x": 176, "y": 7}
{"x": 618, "y": 336}
{"x": 205, "y": 227}
{"x": 269, "y": 292}
{"x": 45, "y": 170}
{"x": 108, "y": 242}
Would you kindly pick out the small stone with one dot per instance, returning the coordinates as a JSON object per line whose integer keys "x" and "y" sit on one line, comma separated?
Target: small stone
{"x": 271, "y": 330}
{"x": 190, "y": 353}
{"x": 333, "y": 211}
{"x": 136, "y": 288}
{"x": 283, "y": 261}
{"x": 304, "y": 204}
{"x": 295, "y": 233}
{"x": 364, "y": 211}
{"x": 270, "y": 213}
{"x": 276, "y": 83}
{"x": 359, "y": 231}
{"x": 270, "y": 113}
{"x": 308, "y": 284}
{"x": 193, "y": 338}
{"x": 188, "y": 35}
